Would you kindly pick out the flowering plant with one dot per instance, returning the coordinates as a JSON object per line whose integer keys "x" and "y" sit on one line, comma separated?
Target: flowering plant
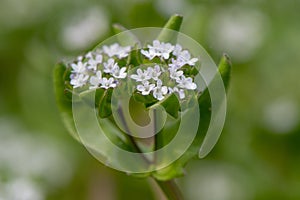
{"x": 147, "y": 97}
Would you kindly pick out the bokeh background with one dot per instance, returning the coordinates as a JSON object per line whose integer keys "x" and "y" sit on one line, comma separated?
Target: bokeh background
{"x": 258, "y": 155}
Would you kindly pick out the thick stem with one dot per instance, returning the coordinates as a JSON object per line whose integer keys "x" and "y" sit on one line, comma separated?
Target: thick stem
{"x": 170, "y": 189}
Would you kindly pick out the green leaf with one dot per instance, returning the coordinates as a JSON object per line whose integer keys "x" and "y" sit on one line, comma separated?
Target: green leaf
{"x": 225, "y": 69}
{"x": 169, "y": 32}
{"x": 63, "y": 99}
{"x": 170, "y": 104}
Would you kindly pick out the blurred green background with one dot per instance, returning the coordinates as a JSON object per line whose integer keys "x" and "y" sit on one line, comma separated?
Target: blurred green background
{"x": 258, "y": 155}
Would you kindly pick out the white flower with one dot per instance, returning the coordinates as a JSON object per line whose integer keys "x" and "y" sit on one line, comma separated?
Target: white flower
{"x": 184, "y": 57}
{"x": 117, "y": 50}
{"x": 78, "y": 80}
{"x": 108, "y": 83}
{"x": 179, "y": 91}
{"x": 174, "y": 74}
{"x": 177, "y": 50}
{"x": 92, "y": 63}
{"x": 78, "y": 68}
{"x": 141, "y": 76}
{"x": 145, "y": 88}
{"x": 159, "y": 91}
{"x": 176, "y": 64}
{"x": 148, "y": 54}
{"x": 154, "y": 72}
{"x": 119, "y": 73}
{"x": 186, "y": 83}
{"x": 79, "y": 58}
{"x": 158, "y": 49}
{"x": 95, "y": 81}
{"x": 110, "y": 65}
{"x": 89, "y": 55}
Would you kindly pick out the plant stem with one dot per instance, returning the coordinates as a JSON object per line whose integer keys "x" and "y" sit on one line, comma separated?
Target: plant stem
{"x": 170, "y": 189}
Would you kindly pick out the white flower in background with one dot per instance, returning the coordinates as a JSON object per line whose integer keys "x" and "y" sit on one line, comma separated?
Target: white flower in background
{"x": 158, "y": 49}
{"x": 176, "y": 90}
{"x": 110, "y": 65}
{"x": 174, "y": 74}
{"x": 141, "y": 75}
{"x": 78, "y": 68}
{"x": 78, "y": 80}
{"x": 95, "y": 81}
{"x": 117, "y": 50}
{"x": 119, "y": 73}
{"x": 154, "y": 72}
{"x": 108, "y": 83}
{"x": 23, "y": 189}
{"x": 186, "y": 83}
{"x": 145, "y": 88}
{"x": 159, "y": 91}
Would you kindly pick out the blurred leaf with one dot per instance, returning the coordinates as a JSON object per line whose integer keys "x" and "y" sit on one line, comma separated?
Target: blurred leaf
{"x": 63, "y": 101}
{"x": 169, "y": 32}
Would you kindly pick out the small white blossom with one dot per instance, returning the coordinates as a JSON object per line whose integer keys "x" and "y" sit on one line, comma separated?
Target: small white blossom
{"x": 117, "y": 50}
{"x": 119, "y": 73}
{"x": 141, "y": 75}
{"x": 176, "y": 64}
{"x": 89, "y": 55}
{"x": 158, "y": 49}
{"x": 110, "y": 65}
{"x": 78, "y": 68}
{"x": 179, "y": 91}
{"x": 108, "y": 83}
{"x": 184, "y": 58}
{"x": 154, "y": 72}
{"x": 95, "y": 81}
{"x": 145, "y": 88}
{"x": 186, "y": 83}
{"x": 148, "y": 54}
{"x": 93, "y": 63}
{"x": 78, "y": 80}
{"x": 174, "y": 74}
{"x": 177, "y": 50}
{"x": 79, "y": 58}
{"x": 159, "y": 91}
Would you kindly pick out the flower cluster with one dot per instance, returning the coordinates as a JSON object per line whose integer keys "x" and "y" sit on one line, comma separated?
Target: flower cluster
{"x": 175, "y": 58}
{"x": 102, "y": 69}
{"x": 99, "y": 69}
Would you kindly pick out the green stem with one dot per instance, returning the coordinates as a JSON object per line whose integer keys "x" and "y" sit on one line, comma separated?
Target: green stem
{"x": 170, "y": 189}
